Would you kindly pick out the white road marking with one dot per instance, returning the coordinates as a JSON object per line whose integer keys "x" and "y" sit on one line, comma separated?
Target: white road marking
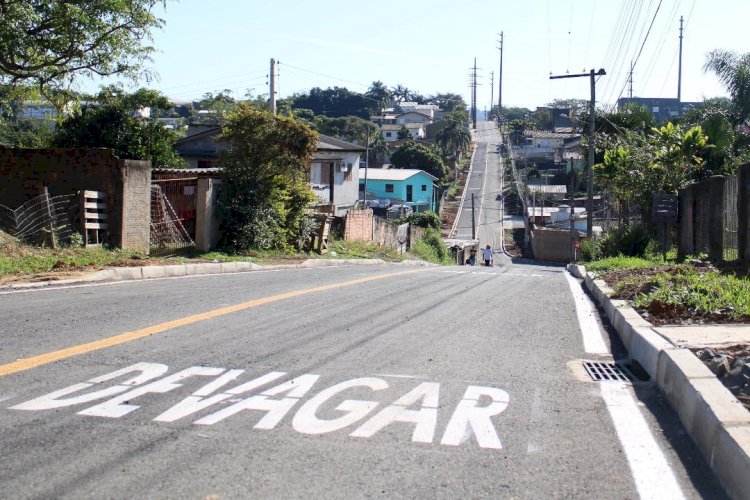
{"x": 587, "y": 315}
{"x": 651, "y": 472}
{"x": 653, "y": 476}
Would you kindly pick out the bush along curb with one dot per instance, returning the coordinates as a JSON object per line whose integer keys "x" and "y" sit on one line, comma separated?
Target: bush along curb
{"x": 716, "y": 421}
{"x": 151, "y": 272}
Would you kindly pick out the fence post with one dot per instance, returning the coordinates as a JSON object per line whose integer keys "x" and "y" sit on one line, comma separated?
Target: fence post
{"x": 48, "y": 207}
{"x": 686, "y": 245}
{"x": 206, "y": 227}
{"x": 716, "y": 188}
{"x": 743, "y": 213}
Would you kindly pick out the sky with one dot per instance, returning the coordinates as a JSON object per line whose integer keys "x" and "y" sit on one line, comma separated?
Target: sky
{"x": 430, "y": 46}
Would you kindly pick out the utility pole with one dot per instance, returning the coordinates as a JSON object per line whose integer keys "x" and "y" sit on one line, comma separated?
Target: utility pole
{"x": 500, "y": 79}
{"x": 630, "y": 92}
{"x": 592, "y": 121}
{"x": 367, "y": 162}
{"x": 679, "y": 68}
{"x": 492, "y": 89}
{"x": 474, "y": 95}
{"x": 272, "y": 87}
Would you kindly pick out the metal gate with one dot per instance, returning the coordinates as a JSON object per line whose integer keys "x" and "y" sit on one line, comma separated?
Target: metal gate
{"x": 173, "y": 214}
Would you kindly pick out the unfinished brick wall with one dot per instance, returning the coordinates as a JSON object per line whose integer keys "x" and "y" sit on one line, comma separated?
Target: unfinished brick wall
{"x": 551, "y": 245}
{"x": 358, "y": 225}
{"x": 24, "y": 172}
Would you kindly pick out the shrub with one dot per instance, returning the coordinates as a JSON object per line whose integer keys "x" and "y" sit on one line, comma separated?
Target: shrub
{"x": 631, "y": 241}
{"x": 427, "y": 219}
{"x": 431, "y": 248}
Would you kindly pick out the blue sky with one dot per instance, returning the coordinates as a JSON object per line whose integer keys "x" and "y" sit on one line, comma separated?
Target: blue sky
{"x": 430, "y": 46}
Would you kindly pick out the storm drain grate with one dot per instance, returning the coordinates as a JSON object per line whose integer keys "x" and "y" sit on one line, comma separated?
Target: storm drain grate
{"x": 608, "y": 372}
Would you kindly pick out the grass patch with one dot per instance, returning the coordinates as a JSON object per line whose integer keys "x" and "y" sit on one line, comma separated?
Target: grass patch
{"x": 622, "y": 262}
{"x": 703, "y": 294}
{"x": 44, "y": 260}
{"x": 360, "y": 250}
{"x": 432, "y": 249}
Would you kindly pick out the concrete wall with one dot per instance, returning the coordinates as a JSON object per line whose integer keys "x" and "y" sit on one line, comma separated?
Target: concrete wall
{"x": 127, "y": 185}
{"x": 551, "y": 245}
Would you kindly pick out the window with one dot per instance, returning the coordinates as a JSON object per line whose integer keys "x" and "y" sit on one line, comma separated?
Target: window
{"x": 388, "y": 134}
{"x": 424, "y": 187}
{"x": 325, "y": 173}
{"x": 348, "y": 175}
{"x": 389, "y": 188}
{"x": 361, "y": 187}
{"x": 655, "y": 109}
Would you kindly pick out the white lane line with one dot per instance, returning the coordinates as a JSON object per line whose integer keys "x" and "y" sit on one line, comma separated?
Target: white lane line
{"x": 592, "y": 338}
{"x": 652, "y": 474}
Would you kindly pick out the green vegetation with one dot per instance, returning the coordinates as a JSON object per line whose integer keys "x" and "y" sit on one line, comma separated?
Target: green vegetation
{"x": 696, "y": 291}
{"x": 46, "y": 260}
{"x": 426, "y": 219}
{"x": 432, "y": 249}
{"x": 113, "y": 124}
{"x": 264, "y": 191}
{"x": 622, "y": 262}
{"x": 414, "y": 155}
{"x": 47, "y": 44}
{"x": 360, "y": 250}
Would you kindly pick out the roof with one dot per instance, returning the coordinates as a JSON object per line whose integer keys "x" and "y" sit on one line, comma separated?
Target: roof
{"x": 414, "y": 125}
{"x": 414, "y": 105}
{"x": 546, "y": 134}
{"x": 327, "y": 142}
{"x": 392, "y": 174}
{"x": 327, "y": 156}
{"x": 213, "y": 131}
{"x": 414, "y": 112}
{"x": 548, "y": 189}
{"x": 391, "y": 126}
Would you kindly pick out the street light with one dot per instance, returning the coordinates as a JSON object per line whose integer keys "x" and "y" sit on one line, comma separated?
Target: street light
{"x": 592, "y": 124}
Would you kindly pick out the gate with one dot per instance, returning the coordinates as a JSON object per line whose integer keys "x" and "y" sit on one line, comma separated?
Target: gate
{"x": 173, "y": 214}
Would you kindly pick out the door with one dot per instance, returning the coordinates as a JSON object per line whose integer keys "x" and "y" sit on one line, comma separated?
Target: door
{"x": 409, "y": 192}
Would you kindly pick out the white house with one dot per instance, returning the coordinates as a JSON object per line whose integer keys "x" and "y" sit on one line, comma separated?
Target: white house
{"x": 413, "y": 117}
{"x": 427, "y": 109}
{"x": 417, "y": 130}
{"x": 334, "y": 173}
{"x": 389, "y": 132}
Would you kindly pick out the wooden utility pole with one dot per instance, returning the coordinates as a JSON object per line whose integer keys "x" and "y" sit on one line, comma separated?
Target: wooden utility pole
{"x": 272, "y": 87}
{"x": 492, "y": 90}
{"x": 474, "y": 95}
{"x": 592, "y": 132}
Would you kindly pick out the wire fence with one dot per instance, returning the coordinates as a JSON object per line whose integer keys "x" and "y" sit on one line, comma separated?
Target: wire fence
{"x": 168, "y": 234}
{"x": 43, "y": 219}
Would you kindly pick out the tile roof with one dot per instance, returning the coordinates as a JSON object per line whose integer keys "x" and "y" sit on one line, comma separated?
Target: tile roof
{"x": 331, "y": 143}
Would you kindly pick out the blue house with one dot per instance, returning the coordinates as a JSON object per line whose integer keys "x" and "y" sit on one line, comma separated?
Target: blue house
{"x": 406, "y": 186}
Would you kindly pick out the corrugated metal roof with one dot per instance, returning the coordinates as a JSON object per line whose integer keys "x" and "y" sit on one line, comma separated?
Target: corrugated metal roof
{"x": 391, "y": 174}
{"x": 549, "y": 189}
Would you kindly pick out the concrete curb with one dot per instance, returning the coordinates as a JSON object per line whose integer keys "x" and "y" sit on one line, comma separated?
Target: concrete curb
{"x": 716, "y": 421}
{"x": 149, "y": 272}
{"x": 463, "y": 194}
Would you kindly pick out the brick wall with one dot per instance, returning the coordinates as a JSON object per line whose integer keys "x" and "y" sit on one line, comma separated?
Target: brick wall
{"x": 358, "y": 225}
{"x": 551, "y": 245}
{"x": 23, "y": 173}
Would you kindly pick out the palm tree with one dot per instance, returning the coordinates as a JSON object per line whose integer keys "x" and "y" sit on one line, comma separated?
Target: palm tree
{"x": 454, "y": 138}
{"x": 733, "y": 71}
{"x": 400, "y": 93}
{"x": 380, "y": 94}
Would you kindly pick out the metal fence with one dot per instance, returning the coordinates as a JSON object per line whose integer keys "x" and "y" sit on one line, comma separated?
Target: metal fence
{"x": 168, "y": 234}
{"x": 43, "y": 219}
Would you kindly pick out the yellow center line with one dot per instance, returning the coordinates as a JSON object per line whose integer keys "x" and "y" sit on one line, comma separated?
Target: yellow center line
{"x": 50, "y": 357}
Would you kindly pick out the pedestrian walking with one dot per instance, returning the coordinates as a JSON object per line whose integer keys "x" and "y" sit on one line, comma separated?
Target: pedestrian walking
{"x": 472, "y": 260}
{"x": 487, "y": 256}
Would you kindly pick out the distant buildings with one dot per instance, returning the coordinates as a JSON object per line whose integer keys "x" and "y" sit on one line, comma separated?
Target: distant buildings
{"x": 663, "y": 108}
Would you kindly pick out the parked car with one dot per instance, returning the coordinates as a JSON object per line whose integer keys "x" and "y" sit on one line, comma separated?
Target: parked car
{"x": 397, "y": 211}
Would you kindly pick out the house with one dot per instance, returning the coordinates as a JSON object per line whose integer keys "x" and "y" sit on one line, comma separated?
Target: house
{"x": 413, "y": 117}
{"x": 333, "y": 173}
{"x": 426, "y": 109}
{"x": 543, "y": 146}
{"x": 662, "y": 108}
{"x": 408, "y": 186}
{"x": 390, "y": 132}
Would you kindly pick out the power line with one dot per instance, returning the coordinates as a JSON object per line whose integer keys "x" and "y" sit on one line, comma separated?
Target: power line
{"x": 324, "y": 75}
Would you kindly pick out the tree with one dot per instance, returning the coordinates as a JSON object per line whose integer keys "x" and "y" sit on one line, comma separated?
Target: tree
{"x": 403, "y": 134}
{"x": 733, "y": 71}
{"x": 455, "y": 137}
{"x": 264, "y": 191}
{"x": 347, "y": 128}
{"x": 334, "y": 102}
{"x": 380, "y": 96}
{"x": 447, "y": 102}
{"x": 48, "y": 44}
{"x": 400, "y": 93}
{"x": 213, "y": 108}
{"x": 113, "y": 124}
{"x": 414, "y": 155}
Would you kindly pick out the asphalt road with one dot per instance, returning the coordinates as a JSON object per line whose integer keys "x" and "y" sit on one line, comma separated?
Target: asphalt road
{"x": 339, "y": 382}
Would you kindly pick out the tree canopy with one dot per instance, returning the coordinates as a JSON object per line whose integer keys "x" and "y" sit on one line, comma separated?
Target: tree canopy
{"x": 47, "y": 44}
{"x": 335, "y": 102}
{"x": 264, "y": 190}
{"x": 113, "y": 124}
{"x": 415, "y": 155}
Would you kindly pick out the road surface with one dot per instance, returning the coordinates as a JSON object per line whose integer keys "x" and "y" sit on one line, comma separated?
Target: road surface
{"x": 339, "y": 382}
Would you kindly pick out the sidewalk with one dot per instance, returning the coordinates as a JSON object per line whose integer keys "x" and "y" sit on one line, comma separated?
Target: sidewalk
{"x": 211, "y": 268}
{"x": 717, "y": 421}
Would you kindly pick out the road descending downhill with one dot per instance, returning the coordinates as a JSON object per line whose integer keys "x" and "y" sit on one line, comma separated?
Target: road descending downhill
{"x": 350, "y": 381}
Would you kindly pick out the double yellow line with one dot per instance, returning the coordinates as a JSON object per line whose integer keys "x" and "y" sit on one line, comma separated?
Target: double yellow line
{"x": 50, "y": 357}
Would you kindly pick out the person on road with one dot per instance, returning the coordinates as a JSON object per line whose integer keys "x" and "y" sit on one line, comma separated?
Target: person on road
{"x": 472, "y": 260}
{"x": 487, "y": 256}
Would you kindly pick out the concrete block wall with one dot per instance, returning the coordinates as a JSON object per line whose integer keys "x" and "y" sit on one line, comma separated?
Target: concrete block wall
{"x": 135, "y": 233}
{"x": 551, "y": 245}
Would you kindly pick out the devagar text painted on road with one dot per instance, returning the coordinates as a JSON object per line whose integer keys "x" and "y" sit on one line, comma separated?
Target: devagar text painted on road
{"x": 472, "y": 415}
